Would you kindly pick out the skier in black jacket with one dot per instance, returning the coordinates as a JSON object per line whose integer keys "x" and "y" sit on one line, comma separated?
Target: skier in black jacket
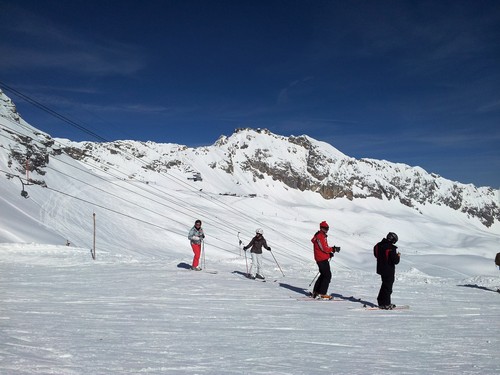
{"x": 387, "y": 258}
{"x": 257, "y": 243}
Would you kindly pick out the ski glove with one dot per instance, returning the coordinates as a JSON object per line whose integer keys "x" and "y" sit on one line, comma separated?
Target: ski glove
{"x": 195, "y": 238}
{"x": 336, "y": 249}
{"x": 332, "y": 254}
{"x": 269, "y": 248}
{"x": 241, "y": 242}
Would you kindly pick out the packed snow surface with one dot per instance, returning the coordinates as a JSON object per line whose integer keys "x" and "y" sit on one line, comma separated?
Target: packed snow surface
{"x": 137, "y": 310}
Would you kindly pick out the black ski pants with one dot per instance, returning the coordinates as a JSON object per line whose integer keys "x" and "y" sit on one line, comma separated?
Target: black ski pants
{"x": 384, "y": 295}
{"x": 325, "y": 275}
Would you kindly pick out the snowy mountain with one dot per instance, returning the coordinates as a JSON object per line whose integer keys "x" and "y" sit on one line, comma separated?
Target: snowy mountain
{"x": 250, "y": 156}
{"x": 135, "y": 309}
{"x": 300, "y": 163}
{"x": 255, "y": 174}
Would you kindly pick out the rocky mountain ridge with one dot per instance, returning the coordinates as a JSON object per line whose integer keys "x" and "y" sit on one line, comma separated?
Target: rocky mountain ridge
{"x": 251, "y": 155}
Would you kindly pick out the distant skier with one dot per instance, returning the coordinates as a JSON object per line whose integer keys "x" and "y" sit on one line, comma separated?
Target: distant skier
{"x": 256, "y": 244}
{"x": 322, "y": 254}
{"x": 196, "y": 235}
{"x": 387, "y": 258}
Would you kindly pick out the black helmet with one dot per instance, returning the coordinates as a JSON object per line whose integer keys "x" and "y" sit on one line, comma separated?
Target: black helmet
{"x": 392, "y": 237}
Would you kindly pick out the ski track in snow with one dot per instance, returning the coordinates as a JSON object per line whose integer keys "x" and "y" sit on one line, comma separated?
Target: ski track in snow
{"x": 62, "y": 313}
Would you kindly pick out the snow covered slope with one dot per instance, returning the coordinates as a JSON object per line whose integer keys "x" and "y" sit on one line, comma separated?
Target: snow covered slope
{"x": 251, "y": 179}
{"x": 62, "y": 313}
{"x": 136, "y": 310}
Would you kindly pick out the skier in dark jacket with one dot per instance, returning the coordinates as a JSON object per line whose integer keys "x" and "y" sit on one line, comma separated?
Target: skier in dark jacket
{"x": 257, "y": 243}
{"x": 387, "y": 258}
{"x": 322, "y": 254}
{"x": 497, "y": 260}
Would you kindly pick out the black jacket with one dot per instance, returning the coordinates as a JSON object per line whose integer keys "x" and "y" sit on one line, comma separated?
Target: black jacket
{"x": 256, "y": 244}
{"x": 387, "y": 257}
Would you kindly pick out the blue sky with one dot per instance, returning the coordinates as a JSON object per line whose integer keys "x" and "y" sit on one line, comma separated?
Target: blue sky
{"x": 416, "y": 82}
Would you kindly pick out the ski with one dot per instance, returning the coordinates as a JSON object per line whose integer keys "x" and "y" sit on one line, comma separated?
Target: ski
{"x": 320, "y": 299}
{"x": 398, "y": 307}
{"x": 256, "y": 279}
{"x": 247, "y": 276}
{"x": 188, "y": 267}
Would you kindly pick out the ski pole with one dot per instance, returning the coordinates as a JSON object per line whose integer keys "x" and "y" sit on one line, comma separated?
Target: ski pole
{"x": 314, "y": 279}
{"x": 329, "y": 260}
{"x": 239, "y": 242}
{"x": 203, "y": 253}
{"x": 246, "y": 261}
{"x": 277, "y": 263}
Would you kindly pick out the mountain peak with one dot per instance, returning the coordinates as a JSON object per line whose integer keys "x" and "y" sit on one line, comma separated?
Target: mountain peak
{"x": 8, "y": 109}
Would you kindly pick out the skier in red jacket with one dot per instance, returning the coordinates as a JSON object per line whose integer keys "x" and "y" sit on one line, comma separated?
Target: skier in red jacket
{"x": 196, "y": 236}
{"x": 322, "y": 254}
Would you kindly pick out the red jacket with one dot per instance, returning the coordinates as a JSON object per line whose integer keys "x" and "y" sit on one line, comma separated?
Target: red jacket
{"x": 321, "y": 249}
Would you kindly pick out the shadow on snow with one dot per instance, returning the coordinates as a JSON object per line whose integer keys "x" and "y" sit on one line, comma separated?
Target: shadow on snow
{"x": 479, "y": 287}
{"x": 184, "y": 266}
{"x": 305, "y": 292}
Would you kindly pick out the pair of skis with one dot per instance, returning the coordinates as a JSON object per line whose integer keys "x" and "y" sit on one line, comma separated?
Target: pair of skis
{"x": 352, "y": 299}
